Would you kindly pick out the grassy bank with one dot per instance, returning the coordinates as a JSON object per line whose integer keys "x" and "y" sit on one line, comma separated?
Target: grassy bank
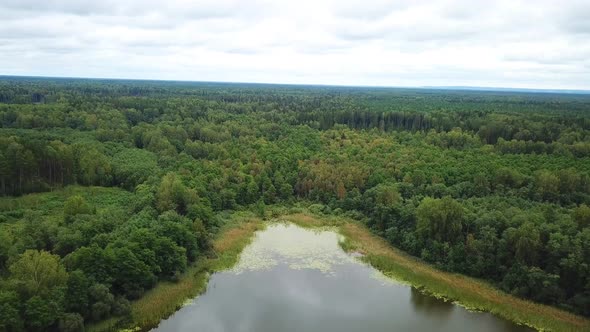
{"x": 469, "y": 292}
{"x": 167, "y": 297}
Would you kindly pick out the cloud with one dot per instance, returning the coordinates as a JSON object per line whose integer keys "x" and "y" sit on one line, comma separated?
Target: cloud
{"x": 59, "y": 6}
{"x": 367, "y": 11}
{"x": 359, "y": 42}
{"x": 574, "y": 18}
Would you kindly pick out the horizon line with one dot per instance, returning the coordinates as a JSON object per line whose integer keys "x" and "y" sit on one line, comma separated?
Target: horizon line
{"x": 419, "y": 87}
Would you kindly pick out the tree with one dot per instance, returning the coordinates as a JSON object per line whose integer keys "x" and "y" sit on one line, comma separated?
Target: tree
{"x": 132, "y": 167}
{"x": 77, "y": 298}
{"x": 203, "y": 239}
{"x": 170, "y": 195}
{"x": 547, "y": 184}
{"x": 439, "y": 219}
{"x": 102, "y": 301}
{"x": 170, "y": 257}
{"x": 532, "y": 282}
{"x": 260, "y": 208}
{"x": 528, "y": 243}
{"x": 284, "y": 189}
{"x": 481, "y": 184}
{"x": 386, "y": 195}
{"x": 10, "y": 319}
{"x": 93, "y": 261}
{"x": 130, "y": 275}
{"x": 568, "y": 181}
{"x": 71, "y": 322}
{"x": 523, "y": 242}
{"x": 38, "y": 272}
{"x": 6, "y": 246}
{"x": 252, "y": 191}
{"x": 121, "y": 306}
{"x": 76, "y": 205}
{"x": 95, "y": 167}
{"x": 418, "y": 178}
{"x": 5, "y": 172}
{"x": 582, "y": 215}
{"x": 42, "y": 312}
{"x": 340, "y": 190}
{"x": 268, "y": 190}
{"x": 179, "y": 229}
{"x": 509, "y": 177}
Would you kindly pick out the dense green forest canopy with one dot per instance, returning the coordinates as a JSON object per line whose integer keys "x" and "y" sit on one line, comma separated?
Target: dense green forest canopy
{"x": 111, "y": 185}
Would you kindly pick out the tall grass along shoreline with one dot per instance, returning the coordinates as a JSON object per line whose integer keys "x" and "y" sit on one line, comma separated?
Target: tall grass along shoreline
{"x": 167, "y": 297}
{"x": 468, "y": 292}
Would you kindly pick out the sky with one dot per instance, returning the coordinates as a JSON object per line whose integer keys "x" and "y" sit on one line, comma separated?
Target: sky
{"x": 521, "y": 44}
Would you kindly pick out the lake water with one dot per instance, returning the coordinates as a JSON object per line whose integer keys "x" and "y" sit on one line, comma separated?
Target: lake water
{"x": 295, "y": 279}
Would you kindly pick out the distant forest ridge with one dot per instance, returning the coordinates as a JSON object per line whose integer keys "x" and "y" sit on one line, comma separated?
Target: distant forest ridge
{"x": 230, "y": 83}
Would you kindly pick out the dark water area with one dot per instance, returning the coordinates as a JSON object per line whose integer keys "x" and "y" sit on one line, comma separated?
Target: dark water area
{"x": 292, "y": 279}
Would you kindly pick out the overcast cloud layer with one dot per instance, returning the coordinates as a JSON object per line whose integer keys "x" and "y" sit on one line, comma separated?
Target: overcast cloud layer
{"x": 537, "y": 44}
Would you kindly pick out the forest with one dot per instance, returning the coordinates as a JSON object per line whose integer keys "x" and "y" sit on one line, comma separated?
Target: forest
{"x": 111, "y": 186}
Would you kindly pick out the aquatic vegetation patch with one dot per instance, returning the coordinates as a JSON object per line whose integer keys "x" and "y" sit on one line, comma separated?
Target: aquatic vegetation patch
{"x": 294, "y": 246}
{"x": 188, "y": 302}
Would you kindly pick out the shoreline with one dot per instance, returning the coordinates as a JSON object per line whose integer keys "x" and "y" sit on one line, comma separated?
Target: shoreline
{"x": 470, "y": 293}
{"x": 166, "y": 298}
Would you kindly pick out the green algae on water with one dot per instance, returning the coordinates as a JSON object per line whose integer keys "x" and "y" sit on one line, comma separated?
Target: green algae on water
{"x": 294, "y": 246}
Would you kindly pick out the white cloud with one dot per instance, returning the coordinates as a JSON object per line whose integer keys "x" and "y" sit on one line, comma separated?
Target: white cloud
{"x": 511, "y": 43}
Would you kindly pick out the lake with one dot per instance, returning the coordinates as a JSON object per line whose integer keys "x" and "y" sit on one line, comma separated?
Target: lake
{"x": 295, "y": 279}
